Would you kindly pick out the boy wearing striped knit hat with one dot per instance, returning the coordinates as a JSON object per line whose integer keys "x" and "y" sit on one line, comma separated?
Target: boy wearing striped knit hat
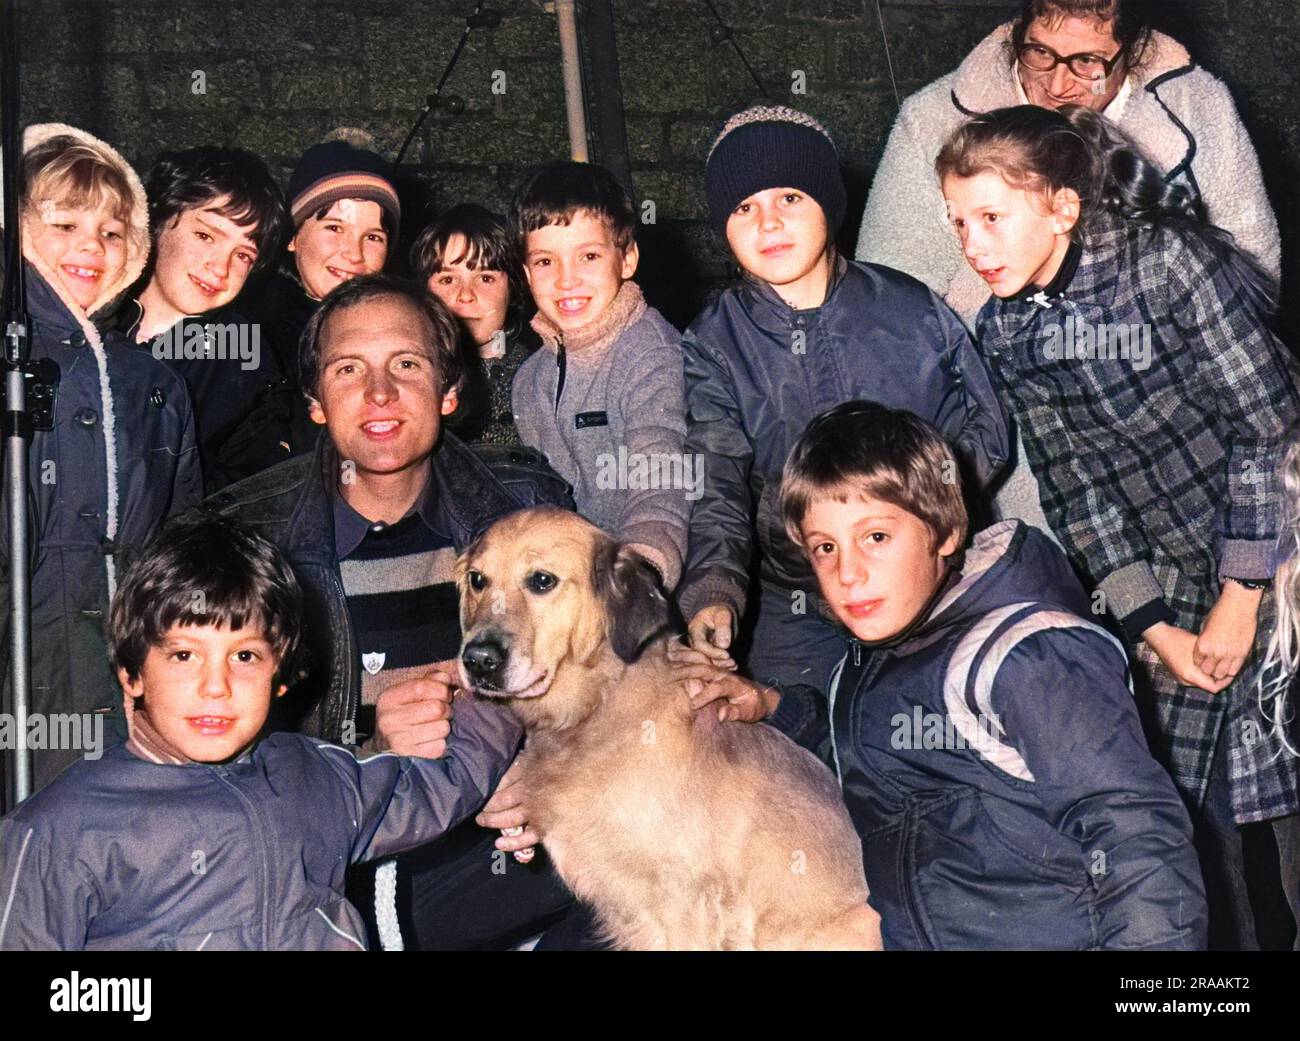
{"x": 803, "y": 330}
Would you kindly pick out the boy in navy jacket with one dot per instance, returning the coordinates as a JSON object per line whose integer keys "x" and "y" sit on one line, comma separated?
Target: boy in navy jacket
{"x": 984, "y": 729}
{"x": 198, "y": 833}
{"x": 804, "y": 330}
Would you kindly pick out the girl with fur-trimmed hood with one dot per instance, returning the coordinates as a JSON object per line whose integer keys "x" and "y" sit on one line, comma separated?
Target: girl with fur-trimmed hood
{"x": 120, "y": 456}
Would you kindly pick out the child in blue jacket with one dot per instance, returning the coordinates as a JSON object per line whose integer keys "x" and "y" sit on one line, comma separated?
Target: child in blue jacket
{"x": 200, "y": 833}
{"x": 804, "y": 330}
{"x": 983, "y": 728}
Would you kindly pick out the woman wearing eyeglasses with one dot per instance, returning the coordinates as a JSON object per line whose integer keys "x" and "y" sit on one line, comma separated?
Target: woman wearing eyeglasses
{"x": 1100, "y": 53}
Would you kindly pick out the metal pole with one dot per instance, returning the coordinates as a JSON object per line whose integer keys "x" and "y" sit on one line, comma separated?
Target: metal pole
{"x": 17, "y": 423}
{"x": 573, "y": 107}
{"x": 19, "y": 579}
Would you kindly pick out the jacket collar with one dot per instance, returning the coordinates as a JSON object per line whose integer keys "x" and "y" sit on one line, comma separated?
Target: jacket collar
{"x": 1095, "y": 280}
{"x": 764, "y": 298}
{"x": 129, "y": 316}
{"x": 986, "y": 79}
{"x": 463, "y": 497}
{"x": 593, "y": 341}
{"x": 48, "y": 306}
{"x": 1006, "y": 563}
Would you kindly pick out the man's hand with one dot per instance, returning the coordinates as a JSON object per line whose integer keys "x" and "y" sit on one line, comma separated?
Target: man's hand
{"x": 1229, "y": 632}
{"x": 1176, "y": 648}
{"x": 706, "y": 682}
{"x": 414, "y": 717}
{"x": 508, "y": 810}
{"x": 711, "y": 632}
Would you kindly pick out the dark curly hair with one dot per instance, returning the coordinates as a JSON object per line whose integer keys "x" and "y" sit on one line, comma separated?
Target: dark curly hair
{"x": 1132, "y": 23}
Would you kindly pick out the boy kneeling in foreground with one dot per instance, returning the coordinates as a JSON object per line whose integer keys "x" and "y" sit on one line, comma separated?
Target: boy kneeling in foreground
{"x": 983, "y": 729}
{"x": 200, "y": 832}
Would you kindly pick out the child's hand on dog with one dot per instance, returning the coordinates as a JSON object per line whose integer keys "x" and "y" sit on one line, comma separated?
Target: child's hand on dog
{"x": 414, "y": 717}
{"x": 706, "y": 682}
{"x": 711, "y": 632}
{"x": 508, "y": 811}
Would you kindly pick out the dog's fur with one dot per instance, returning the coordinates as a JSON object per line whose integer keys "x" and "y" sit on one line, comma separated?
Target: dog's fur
{"x": 682, "y": 832}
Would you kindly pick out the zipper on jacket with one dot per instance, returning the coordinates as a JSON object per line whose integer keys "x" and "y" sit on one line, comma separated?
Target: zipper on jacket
{"x": 263, "y": 845}
{"x": 855, "y": 649}
{"x": 561, "y": 363}
{"x": 348, "y": 708}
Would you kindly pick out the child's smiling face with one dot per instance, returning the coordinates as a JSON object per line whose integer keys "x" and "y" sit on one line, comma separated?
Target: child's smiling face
{"x": 207, "y": 690}
{"x": 875, "y": 562}
{"x": 1010, "y": 236}
{"x": 575, "y": 270}
{"x": 348, "y": 241}
{"x": 84, "y": 248}
{"x": 780, "y": 236}
{"x": 201, "y": 262}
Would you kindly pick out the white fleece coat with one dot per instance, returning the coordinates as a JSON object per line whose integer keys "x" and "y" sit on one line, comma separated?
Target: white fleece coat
{"x": 905, "y": 223}
{"x": 1179, "y": 114}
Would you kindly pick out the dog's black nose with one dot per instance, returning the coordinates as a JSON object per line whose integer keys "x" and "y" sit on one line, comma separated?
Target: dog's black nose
{"x": 483, "y": 657}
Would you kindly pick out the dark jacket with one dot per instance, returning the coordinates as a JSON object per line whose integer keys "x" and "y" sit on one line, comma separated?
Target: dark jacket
{"x": 291, "y": 505}
{"x": 243, "y": 402}
{"x": 125, "y": 854}
{"x": 73, "y": 551}
{"x": 485, "y": 414}
{"x": 996, "y": 770}
{"x": 758, "y": 371}
{"x": 1157, "y": 448}
{"x": 282, "y": 308}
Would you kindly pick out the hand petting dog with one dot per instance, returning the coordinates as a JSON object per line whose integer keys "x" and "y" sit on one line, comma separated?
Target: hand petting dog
{"x": 708, "y": 680}
{"x": 507, "y": 810}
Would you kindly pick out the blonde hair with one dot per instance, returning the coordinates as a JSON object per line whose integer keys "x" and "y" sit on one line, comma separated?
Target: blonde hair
{"x": 73, "y": 173}
{"x": 1282, "y": 659}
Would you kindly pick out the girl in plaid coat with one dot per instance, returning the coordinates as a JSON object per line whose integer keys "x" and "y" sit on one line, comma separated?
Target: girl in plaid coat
{"x": 1132, "y": 342}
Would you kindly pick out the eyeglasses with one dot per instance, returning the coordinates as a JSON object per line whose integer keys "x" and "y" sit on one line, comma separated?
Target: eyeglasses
{"x": 1037, "y": 58}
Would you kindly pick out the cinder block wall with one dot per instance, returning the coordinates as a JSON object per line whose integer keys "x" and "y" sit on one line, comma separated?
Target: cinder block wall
{"x": 275, "y": 75}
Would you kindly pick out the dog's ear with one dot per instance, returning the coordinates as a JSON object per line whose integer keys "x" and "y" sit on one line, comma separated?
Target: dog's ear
{"x": 635, "y": 605}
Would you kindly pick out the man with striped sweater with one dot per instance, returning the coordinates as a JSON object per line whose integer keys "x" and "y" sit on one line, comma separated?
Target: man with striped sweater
{"x": 372, "y": 522}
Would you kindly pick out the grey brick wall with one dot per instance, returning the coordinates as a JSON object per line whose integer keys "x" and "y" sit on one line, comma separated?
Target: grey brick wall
{"x": 280, "y": 73}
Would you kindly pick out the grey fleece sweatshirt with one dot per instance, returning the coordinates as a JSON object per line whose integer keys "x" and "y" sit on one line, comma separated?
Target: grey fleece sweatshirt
{"x": 615, "y": 428}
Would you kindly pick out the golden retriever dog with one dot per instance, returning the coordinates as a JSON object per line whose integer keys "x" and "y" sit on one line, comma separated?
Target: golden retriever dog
{"x": 682, "y": 832}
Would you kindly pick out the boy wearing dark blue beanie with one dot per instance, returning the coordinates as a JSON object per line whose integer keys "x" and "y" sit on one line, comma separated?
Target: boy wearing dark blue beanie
{"x": 803, "y": 331}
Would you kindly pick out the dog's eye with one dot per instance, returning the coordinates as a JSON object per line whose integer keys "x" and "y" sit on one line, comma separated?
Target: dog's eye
{"x": 477, "y": 581}
{"x": 541, "y": 582}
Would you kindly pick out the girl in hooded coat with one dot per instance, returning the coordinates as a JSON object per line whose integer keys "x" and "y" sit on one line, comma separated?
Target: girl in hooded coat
{"x": 119, "y": 457}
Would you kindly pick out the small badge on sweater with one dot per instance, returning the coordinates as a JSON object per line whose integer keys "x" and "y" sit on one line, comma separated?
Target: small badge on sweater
{"x": 373, "y": 662}
{"x": 591, "y": 419}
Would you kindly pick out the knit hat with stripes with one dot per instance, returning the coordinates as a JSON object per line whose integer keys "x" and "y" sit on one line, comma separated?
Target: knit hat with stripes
{"x": 771, "y": 146}
{"x": 337, "y": 170}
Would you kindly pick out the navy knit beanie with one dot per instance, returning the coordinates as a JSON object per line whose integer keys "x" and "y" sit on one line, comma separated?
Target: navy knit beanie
{"x": 337, "y": 170}
{"x": 771, "y": 146}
